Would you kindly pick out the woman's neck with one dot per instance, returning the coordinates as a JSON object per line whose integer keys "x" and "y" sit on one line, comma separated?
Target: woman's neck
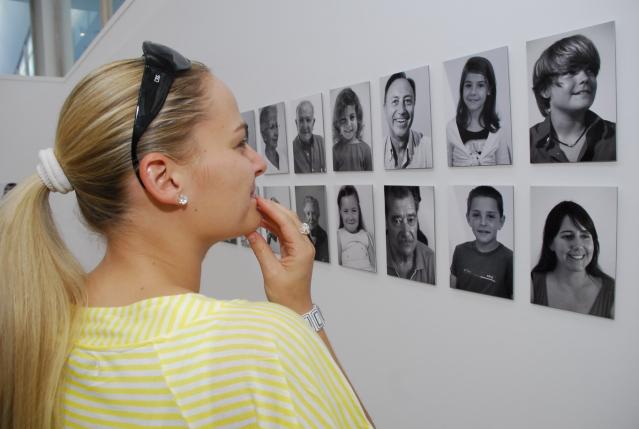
{"x": 134, "y": 269}
{"x": 574, "y": 279}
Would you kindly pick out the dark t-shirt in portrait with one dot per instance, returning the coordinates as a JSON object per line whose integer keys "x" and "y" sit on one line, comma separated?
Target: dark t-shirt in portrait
{"x": 473, "y": 135}
{"x": 490, "y": 273}
{"x": 352, "y": 157}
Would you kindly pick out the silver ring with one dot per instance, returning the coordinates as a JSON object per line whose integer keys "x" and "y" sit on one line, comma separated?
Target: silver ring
{"x": 305, "y": 229}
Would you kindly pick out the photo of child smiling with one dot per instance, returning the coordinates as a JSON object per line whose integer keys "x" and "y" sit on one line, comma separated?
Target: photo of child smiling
{"x": 573, "y": 84}
{"x": 483, "y": 265}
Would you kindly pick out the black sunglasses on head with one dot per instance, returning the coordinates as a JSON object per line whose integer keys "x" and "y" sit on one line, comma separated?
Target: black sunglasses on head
{"x": 161, "y": 65}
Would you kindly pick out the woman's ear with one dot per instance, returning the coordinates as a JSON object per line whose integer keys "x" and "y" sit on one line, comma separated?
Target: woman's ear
{"x": 161, "y": 178}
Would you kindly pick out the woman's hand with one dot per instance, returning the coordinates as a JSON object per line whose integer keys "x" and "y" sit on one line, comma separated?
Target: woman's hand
{"x": 287, "y": 280}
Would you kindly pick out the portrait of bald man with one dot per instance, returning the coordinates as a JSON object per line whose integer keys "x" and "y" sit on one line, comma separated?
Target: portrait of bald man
{"x": 309, "y": 153}
{"x": 406, "y": 122}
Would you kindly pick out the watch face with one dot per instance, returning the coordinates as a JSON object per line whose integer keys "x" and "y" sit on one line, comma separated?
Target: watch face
{"x": 314, "y": 319}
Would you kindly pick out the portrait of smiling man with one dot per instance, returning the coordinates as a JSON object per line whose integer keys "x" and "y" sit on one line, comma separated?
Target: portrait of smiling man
{"x": 405, "y": 146}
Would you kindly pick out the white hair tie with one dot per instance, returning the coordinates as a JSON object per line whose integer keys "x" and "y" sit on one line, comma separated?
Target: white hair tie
{"x": 51, "y": 173}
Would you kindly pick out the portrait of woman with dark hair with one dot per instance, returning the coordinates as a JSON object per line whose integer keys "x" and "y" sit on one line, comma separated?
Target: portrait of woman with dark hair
{"x": 568, "y": 275}
{"x": 475, "y": 136}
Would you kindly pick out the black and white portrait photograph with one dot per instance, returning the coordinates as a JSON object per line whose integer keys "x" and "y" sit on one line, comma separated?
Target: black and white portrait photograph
{"x": 406, "y": 120}
{"x": 310, "y": 203}
{"x": 351, "y": 128}
{"x": 356, "y": 227}
{"x": 572, "y": 96}
{"x": 479, "y": 131}
{"x": 281, "y": 195}
{"x": 273, "y": 143}
{"x": 410, "y": 232}
{"x": 231, "y": 241}
{"x": 573, "y": 248}
{"x": 249, "y": 118}
{"x": 6, "y": 187}
{"x": 481, "y": 239}
{"x": 305, "y": 122}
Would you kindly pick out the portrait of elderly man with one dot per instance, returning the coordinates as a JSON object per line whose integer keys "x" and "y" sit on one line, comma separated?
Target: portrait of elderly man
{"x": 276, "y": 157}
{"x": 311, "y": 214}
{"x": 309, "y": 155}
{"x": 407, "y": 253}
{"x": 404, "y": 147}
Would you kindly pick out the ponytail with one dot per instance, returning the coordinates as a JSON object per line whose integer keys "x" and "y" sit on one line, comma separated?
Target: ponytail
{"x": 41, "y": 288}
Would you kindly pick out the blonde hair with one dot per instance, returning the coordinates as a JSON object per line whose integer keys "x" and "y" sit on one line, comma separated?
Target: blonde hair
{"x": 41, "y": 283}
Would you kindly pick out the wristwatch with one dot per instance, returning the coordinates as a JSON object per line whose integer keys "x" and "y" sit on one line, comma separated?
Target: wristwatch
{"x": 315, "y": 319}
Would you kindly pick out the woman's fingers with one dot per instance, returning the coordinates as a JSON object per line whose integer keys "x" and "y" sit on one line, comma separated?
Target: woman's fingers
{"x": 284, "y": 219}
{"x": 264, "y": 254}
{"x": 286, "y": 225}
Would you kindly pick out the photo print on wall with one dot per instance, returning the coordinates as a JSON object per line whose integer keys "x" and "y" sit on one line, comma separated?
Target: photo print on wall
{"x": 305, "y": 118}
{"x": 406, "y": 119}
{"x": 281, "y": 195}
{"x": 572, "y": 107}
{"x": 410, "y": 232}
{"x": 273, "y": 143}
{"x": 249, "y": 119}
{"x": 310, "y": 203}
{"x": 351, "y": 128}
{"x": 356, "y": 227}
{"x": 573, "y": 241}
{"x": 481, "y": 239}
{"x": 479, "y": 131}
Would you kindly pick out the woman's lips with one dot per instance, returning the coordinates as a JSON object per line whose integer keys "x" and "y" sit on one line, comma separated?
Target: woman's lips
{"x": 576, "y": 257}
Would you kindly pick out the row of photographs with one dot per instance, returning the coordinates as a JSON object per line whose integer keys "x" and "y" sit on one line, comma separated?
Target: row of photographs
{"x": 573, "y": 238}
{"x": 570, "y": 77}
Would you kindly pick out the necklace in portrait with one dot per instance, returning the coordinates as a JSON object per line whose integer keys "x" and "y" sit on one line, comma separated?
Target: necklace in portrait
{"x": 583, "y": 133}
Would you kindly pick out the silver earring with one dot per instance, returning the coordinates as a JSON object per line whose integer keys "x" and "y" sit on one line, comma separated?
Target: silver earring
{"x": 182, "y": 200}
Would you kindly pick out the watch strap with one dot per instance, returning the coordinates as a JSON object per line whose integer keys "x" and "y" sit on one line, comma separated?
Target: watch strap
{"x": 314, "y": 318}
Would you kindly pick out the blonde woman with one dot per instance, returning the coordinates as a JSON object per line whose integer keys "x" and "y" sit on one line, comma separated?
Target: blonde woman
{"x": 155, "y": 150}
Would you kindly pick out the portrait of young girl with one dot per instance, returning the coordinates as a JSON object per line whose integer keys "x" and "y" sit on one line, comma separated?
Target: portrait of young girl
{"x": 480, "y": 133}
{"x": 351, "y": 150}
{"x": 355, "y": 241}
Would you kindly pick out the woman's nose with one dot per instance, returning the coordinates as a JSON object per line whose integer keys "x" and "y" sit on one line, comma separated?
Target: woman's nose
{"x": 258, "y": 162}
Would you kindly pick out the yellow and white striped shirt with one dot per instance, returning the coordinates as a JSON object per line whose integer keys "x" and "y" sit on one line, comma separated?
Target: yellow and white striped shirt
{"x": 188, "y": 361}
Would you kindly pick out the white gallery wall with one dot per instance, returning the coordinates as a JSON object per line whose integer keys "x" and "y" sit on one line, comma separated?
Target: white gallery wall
{"x": 419, "y": 356}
